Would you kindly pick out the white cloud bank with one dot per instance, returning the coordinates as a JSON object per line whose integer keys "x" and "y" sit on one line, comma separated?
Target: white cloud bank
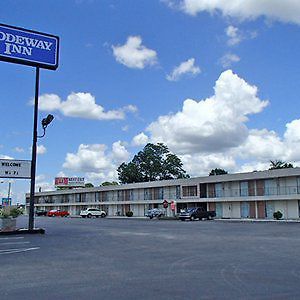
{"x": 81, "y": 105}
{"x": 213, "y": 132}
{"x": 186, "y": 67}
{"x": 133, "y": 54}
{"x": 280, "y": 10}
{"x": 213, "y": 124}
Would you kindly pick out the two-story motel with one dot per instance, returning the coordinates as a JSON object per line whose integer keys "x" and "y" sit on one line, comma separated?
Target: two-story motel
{"x": 243, "y": 195}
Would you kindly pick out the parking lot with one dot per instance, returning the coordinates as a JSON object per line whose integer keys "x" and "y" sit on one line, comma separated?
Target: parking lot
{"x": 151, "y": 259}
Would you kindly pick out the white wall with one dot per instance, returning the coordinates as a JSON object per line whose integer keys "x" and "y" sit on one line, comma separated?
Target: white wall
{"x": 292, "y": 209}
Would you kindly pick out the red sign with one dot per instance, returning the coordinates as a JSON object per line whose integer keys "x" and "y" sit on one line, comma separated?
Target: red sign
{"x": 172, "y": 205}
{"x": 69, "y": 181}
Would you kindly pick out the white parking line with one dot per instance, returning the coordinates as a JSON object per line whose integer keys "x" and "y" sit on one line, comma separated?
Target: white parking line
{"x": 13, "y": 243}
{"x": 12, "y": 238}
{"x": 10, "y": 251}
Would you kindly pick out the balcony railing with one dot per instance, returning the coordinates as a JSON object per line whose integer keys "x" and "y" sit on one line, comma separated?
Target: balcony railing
{"x": 264, "y": 191}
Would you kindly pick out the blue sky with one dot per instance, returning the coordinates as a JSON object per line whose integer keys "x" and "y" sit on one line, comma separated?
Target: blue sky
{"x": 126, "y": 71}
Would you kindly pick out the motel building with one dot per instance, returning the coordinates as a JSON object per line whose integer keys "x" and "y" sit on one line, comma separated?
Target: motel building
{"x": 255, "y": 195}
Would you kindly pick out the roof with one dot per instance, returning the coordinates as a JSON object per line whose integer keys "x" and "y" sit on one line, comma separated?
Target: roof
{"x": 268, "y": 174}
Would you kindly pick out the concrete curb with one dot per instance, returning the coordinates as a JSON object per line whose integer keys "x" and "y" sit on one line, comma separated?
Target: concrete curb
{"x": 24, "y": 231}
{"x": 258, "y": 220}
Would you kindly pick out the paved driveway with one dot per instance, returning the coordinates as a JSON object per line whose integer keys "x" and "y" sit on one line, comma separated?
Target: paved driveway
{"x": 152, "y": 259}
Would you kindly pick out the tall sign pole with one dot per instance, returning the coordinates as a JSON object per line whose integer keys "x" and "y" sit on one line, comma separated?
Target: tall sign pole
{"x": 40, "y": 50}
{"x": 33, "y": 157}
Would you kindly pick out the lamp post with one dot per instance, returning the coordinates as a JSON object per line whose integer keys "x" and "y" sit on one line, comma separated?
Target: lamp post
{"x": 45, "y": 122}
{"x": 8, "y": 192}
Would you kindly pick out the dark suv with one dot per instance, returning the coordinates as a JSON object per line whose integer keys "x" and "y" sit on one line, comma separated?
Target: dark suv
{"x": 196, "y": 213}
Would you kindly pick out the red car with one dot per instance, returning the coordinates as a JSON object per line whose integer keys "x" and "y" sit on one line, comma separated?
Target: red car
{"x": 57, "y": 213}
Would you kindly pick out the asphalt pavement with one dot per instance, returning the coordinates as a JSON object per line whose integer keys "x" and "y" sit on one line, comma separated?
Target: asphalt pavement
{"x": 151, "y": 259}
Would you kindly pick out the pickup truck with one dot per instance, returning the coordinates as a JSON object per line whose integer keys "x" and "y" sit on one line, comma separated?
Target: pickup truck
{"x": 92, "y": 212}
{"x": 196, "y": 213}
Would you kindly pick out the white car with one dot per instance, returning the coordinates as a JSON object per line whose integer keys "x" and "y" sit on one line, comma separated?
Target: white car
{"x": 92, "y": 212}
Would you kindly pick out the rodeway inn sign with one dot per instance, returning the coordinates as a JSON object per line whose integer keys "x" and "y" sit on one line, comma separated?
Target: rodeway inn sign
{"x": 28, "y": 47}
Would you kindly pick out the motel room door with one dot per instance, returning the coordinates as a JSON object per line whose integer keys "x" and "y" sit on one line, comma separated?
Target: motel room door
{"x": 227, "y": 207}
{"x": 245, "y": 209}
{"x": 270, "y": 209}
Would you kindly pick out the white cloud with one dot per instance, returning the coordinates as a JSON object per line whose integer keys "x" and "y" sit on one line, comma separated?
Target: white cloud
{"x": 213, "y": 124}
{"x": 41, "y": 149}
{"x": 61, "y": 174}
{"x": 186, "y": 67}
{"x": 125, "y": 128}
{"x": 213, "y": 133}
{"x": 96, "y": 161}
{"x": 292, "y": 139}
{"x": 119, "y": 152}
{"x": 81, "y": 105}
{"x": 140, "y": 139}
{"x": 234, "y": 35}
{"x": 292, "y": 133}
{"x": 202, "y": 164}
{"x": 19, "y": 149}
{"x": 262, "y": 144}
{"x": 5, "y": 157}
{"x": 42, "y": 185}
{"x": 89, "y": 158}
{"x": 130, "y": 108}
{"x": 254, "y": 166}
{"x": 284, "y": 11}
{"x": 133, "y": 54}
{"x": 48, "y": 102}
{"x": 228, "y": 59}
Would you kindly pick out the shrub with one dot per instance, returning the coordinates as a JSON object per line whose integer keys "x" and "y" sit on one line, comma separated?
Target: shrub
{"x": 277, "y": 215}
{"x": 129, "y": 213}
{"x": 10, "y": 212}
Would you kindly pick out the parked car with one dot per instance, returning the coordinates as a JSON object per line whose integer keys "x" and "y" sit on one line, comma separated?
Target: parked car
{"x": 40, "y": 212}
{"x": 93, "y": 212}
{"x": 57, "y": 213}
{"x": 155, "y": 212}
{"x": 196, "y": 213}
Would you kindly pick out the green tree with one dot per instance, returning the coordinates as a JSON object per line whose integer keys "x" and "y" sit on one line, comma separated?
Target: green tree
{"x": 88, "y": 185}
{"x": 217, "y": 171}
{"x": 154, "y": 162}
{"x": 106, "y": 183}
{"x": 278, "y": 164}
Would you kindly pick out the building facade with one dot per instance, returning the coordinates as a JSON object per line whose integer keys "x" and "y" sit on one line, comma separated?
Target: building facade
{"x": 242, "y": 195}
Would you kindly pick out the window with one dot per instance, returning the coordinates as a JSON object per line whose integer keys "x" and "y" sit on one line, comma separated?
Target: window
{"x": 270, "y": 187}
{"x": 178, "y": 192}
{"x": 147, "y": 194}
{"x": 244, "y": 191}
{"x": 219, "y": 189}
{"x": 189, "y": 191}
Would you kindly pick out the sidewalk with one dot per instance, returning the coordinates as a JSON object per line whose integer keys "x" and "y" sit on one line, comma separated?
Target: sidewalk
{"x": 259, "y": 220}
